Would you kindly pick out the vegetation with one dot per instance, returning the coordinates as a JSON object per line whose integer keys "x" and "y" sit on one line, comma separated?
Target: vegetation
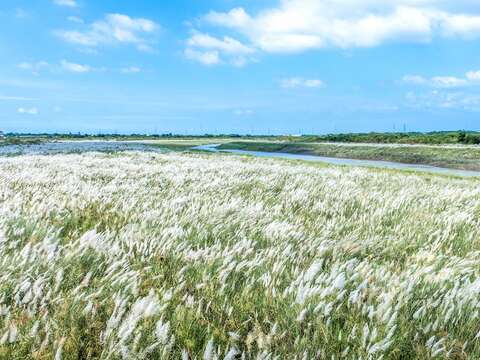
{"x": 196, "y": 256}
{"x": 15, "y": 140}
{"x": 456, "y": 157}
{"x": 468, "y": 138}
{"x": 447, "y": 137}
{"x": 450, "y": 137}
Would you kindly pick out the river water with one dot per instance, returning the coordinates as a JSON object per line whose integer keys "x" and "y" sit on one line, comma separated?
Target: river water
{"x": 350, "y": 162}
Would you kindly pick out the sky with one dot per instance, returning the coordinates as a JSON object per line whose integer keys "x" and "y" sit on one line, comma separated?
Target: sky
{"x": 233, "y": 66}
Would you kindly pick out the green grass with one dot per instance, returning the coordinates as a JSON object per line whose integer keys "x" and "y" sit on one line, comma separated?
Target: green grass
{"x": 438, "y": 137}
{"x": 465, "y": 158}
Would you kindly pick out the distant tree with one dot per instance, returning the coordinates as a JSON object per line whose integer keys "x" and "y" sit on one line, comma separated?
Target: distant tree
{"x": 472, "y": 139}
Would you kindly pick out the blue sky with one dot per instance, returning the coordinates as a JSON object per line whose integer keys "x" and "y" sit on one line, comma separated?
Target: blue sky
{"x": 231, "y": 66}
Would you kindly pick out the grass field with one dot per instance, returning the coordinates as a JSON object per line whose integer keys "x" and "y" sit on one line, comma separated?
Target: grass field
{"x": 456, "y": 157}
{"x": 196, "y": 256}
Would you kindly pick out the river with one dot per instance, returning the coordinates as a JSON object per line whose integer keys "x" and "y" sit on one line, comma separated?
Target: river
{"x": 349, "y": 162}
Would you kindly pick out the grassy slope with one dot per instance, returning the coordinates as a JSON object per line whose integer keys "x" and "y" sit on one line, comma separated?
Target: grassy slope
{"x": 246, "y": 254}
{"x": 467, "y": 158}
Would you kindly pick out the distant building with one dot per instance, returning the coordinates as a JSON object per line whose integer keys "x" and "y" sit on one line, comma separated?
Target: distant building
{"x": 2, "y": 135}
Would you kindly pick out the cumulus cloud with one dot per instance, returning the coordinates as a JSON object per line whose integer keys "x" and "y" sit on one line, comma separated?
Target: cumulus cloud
{"x": 297, "y": 82}
{"x": 448, "y": 81}
{"x": 63, "y": 65}
{"x": 471, "y": 78}
{"x": 444, "y": 99}
{"x": 28, "y": 111}
{"x": 34, "y": 67}
{"x": 414, "y": 79}
{"x": 473, "y": 75}
{"x": 113, "y": 29}
{"x": 73, "y": 67}
{"x": 203, "y": 57}
{"x": 300, "y": 25}
{"x": 68, "y": 3}
{"x": 227, "y": 44}
{"x": 228, "y": 48}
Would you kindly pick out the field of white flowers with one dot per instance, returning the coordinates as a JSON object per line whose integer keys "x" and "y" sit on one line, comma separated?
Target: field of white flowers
{"x": 181, "y": 256}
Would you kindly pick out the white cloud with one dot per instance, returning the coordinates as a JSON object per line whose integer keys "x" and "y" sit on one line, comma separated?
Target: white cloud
{"x": 227, "y": 44}
{"x": 297, "y": 82}
{"x": 414, "y": 79}
{"x": 470, "y": 78}
{"x": 241, "y": 61}
{"x": 448, "y": 81}
{"x": 473, "y": 75}
{"x": 462, "y": 25}
{"x": 72, "y": 67}
{"x": 113, "y": 29}
{"x": 63, "y": 65}
{"x": 300, "y": 25}
{"x": 131, "y": 70}
{"x": 234, "y": 18}
{"x": 75, "y": 19}
{"x": 204, "y": 57}
{"x": 35, "y": 67}
{"x": 442, "y": 99}
{"x": 68, "y": 3}
{"x": 233, "y": 51}
{"x": 28, "y": 111}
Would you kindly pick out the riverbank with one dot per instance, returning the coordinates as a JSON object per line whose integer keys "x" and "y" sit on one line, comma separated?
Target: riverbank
{"x": 462, "y": 158}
